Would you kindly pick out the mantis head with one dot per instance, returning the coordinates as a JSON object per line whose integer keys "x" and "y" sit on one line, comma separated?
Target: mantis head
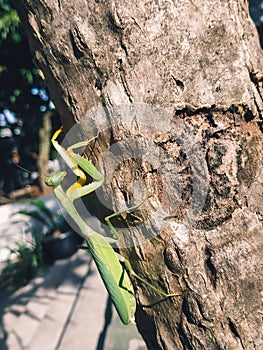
{"x": 55, "y": 179}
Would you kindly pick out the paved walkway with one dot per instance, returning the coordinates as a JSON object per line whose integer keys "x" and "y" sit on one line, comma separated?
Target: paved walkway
{"x": 66, "y": 307}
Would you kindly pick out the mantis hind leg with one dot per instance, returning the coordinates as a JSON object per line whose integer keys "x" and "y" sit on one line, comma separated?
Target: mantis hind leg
{"x": 132, "y": 273}
{"x": 126, "y": 262}
{"x": 129, "y": 210}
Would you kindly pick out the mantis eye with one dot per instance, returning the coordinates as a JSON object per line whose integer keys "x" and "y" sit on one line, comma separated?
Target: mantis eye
{"x": 55, "y": 179}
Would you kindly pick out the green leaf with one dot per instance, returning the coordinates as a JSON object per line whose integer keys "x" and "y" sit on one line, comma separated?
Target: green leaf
{"x": 42, "y": 206}
{"x": 34, "y": 214}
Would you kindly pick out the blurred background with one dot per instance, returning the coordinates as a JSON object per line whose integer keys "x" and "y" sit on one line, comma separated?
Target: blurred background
{"x": 27, "y": 115}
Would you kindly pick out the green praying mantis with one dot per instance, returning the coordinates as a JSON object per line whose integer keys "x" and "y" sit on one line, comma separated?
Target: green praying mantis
{"x": 114, "y": 269}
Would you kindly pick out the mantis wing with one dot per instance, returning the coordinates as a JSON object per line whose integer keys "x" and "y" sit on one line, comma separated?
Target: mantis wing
{"x": 114, "y": 276}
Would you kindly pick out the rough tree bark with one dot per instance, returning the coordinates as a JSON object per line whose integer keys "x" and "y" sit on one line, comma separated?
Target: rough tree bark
{"x": 176, "y": 88}
{"x": 45, "y": 133}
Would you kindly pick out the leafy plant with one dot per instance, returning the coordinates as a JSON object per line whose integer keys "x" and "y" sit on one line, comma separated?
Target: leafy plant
{"x": 53, "y": 225}
{"x": 27, "y": 258}
{"x": 24, "y": 262}
{"x": 9, "y": 22}
{"x": 49, "y": 242}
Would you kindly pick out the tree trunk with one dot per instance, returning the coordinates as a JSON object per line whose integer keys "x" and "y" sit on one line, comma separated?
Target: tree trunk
{"x": 174, "y": 92}
{"x": 45, "y": 133}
